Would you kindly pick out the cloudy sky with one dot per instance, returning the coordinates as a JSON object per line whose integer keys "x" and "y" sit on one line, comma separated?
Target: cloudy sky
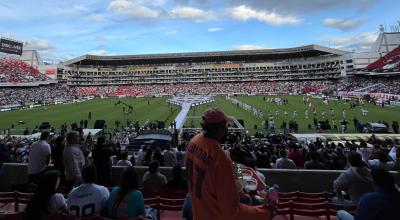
{"x": 65, "y": 29}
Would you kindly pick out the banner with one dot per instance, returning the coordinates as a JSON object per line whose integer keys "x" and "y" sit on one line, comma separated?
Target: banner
{"x": 11, "y": 47}
{"x": 50, "y": 72}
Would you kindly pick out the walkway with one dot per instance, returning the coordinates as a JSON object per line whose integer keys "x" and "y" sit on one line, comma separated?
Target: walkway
{"x": 186, "y": 103}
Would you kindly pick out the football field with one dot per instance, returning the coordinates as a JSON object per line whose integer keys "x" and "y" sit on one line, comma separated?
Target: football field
{"x": 158, "y": 109}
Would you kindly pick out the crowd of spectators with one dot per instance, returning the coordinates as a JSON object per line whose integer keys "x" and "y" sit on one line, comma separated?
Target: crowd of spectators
{"x": 35, "y": 95}
{"x": 59, "y": 92}
{"x": 381, "y": 85}
{"x": 71, "y": 153}
{"x": 17, "y": 71}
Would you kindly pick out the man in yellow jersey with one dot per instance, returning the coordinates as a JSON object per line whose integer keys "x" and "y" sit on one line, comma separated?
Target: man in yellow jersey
{"x": 211, "y": 176}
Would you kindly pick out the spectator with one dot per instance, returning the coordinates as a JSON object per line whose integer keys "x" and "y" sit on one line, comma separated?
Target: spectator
{"x": 124, "y": 160}
{"x": 158, "y": 157}
{"x": 364, "y": 151}
{"x": 382, "y": 203}
{"x": 148, "y": 157}
{"x": 339, "y": 159}
{"x": 169, "y": 156}
{"x": 153, "y": 179}
{"x": 284, "y": 162}
{"x": 382, "y": 161}
{"x": 211, "y": 177}
{"x": 297, "y": 156}
{"x": 178, "y": 182}
{"x": 140, "y": 155}
{"x": 314, "y": 163}
{"x": 46, "y": 200}
{"x": 187, "y": 208}
{"x": 4, "y": 155}
{"x": 39, "y": 157}
{"x": 355, "y": 181}
{"x": 57, "y": 153}
{"x": 73, "y": 161}
{"x": 88, "y": 199}
{"x": 102, "y": 160}
{"x": 125, "y": 200}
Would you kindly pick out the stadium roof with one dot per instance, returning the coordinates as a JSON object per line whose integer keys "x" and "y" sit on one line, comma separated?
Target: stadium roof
{"x": 217, "y": 56}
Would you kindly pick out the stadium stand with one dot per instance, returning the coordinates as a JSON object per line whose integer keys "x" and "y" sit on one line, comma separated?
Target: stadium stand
{"x": 16, "y": 71}
{"x": 388, "y": 62}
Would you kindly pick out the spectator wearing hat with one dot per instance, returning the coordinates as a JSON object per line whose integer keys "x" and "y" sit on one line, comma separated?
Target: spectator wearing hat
{"x": 211, "y": 176}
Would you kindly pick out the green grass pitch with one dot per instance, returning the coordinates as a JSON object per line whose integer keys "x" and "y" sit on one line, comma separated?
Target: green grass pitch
{"x": 102, "y": 109}
{"x": 159, "y": 109}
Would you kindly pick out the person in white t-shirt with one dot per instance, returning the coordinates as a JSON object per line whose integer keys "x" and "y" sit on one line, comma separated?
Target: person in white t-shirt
{"x": 124, "y": 160}
{"x": 88, "y": 199}
{"x": 46, "y": 200}
{"x": 140, "y": 155}
{"x": 39, "y": 157}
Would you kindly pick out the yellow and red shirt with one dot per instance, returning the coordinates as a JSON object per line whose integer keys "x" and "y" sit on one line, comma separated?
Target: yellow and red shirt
{"x": 212, "y": 184}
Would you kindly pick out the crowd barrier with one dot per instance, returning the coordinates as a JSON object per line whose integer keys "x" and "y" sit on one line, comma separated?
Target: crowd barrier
{"x": 311, "y": 181}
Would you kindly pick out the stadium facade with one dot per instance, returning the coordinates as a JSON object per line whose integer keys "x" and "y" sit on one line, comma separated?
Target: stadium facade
{"x": 311, "y": 62}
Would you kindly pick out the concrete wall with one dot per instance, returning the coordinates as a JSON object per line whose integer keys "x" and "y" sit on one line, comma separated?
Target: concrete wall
{"x": 288, "y": 180}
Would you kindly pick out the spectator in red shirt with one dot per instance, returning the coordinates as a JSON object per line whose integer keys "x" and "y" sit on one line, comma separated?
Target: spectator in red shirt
{"x": 297, "y": 156}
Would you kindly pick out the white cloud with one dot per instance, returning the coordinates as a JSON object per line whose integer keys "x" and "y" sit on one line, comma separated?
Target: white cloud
{"x": 96, "y": 18}
{"x": 189, "y": 13}
{"x": 249, "y": 47}
{"x": 174, "y": 32}
{"x": 99, "y": 53}
{"x": 342, "y": 24}
{"x": 133, "y": 9}
{"x": 358, "y": 42}
{"x": 306, "y": 6}
{"x": 245, "y": 13}
{"x": 216, "y": 29}
{"x": 80, "y": 8}
{"x": 40, "y": 45}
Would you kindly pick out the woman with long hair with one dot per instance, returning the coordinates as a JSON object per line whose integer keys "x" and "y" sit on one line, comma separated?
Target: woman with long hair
{"x": 46, "y": 200}
{"x": 126, "y": 201}
{"x": 148, "y": 157}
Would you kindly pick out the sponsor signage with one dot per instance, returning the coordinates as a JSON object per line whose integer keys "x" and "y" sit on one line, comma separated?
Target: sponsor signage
{"x": 10, "y": 47}
{"x": 50, "y": 72}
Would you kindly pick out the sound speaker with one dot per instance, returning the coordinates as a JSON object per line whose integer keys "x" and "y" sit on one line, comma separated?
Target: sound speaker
{"x": 99, "y": 124}
{"x": 241, "y": 122}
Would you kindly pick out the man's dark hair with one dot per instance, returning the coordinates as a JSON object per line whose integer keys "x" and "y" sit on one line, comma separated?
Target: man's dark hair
{"x": 355, "y": 159}
{"x": 382, "y": 178}
{"x": 153, "y": 167}
{"x": 89, "y": 174}
{"x": 44, "y": 135}
{"x": 124, "y": 155}
{"x": 283, "y": 153}
{"x": 72, "y": 137}
{"x": 101, "y": 140}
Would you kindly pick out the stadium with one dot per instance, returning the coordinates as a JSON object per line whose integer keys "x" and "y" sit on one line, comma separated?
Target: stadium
{"x": 313, "y": 104}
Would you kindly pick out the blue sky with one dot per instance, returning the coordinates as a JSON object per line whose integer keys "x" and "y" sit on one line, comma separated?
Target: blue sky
{"x": 62, "y": 30}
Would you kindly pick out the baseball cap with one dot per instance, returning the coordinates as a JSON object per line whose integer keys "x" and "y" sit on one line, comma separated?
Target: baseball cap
{"x": 215, "y": 116}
